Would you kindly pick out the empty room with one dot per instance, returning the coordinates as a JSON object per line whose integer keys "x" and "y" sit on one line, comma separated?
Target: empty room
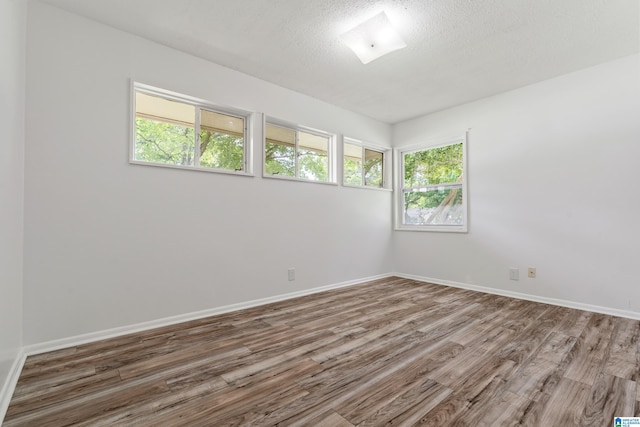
{"x": 319, "y": 213}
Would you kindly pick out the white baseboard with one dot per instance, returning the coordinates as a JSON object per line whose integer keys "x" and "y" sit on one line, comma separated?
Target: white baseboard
{"x": 528, "y": 297}
{"x": 10, "y": 384}
{"x": 124, "y": 330}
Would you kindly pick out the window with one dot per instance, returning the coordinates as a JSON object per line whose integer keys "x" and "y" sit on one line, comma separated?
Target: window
{"x": 171, "y": 130}
{"x": 297, "y": 153}
{"x": 433, "y": 193}
{"x": 363, "y": 166}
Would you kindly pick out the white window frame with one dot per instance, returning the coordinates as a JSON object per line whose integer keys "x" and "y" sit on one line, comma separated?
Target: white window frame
{"x": 400, "y": 189}
{"x": 198, "y": 104}
{"x": 331, "y": 151}
{"x": 387, "y": 176}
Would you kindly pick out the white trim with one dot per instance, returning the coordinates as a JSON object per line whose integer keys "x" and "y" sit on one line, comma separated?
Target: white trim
{"x": 294, "y": 179}
{"x": 9, "y": 385}
{"x": 388, "y": 190}
{"x": 527, "y": 297}
{"x": 435, "y": 142}
{"x": 167, "y": 321}
{"x": 190, "y": 168}
{"x": 196, "y": 136}
{"x": 249, "y": 132}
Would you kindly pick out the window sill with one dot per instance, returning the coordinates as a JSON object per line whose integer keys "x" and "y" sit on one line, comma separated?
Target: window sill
{"x": 192, "y": 168}
{"x": 293, "y": 179}
{"x": 434, "y": 228}
{"x": 388, "y": 190}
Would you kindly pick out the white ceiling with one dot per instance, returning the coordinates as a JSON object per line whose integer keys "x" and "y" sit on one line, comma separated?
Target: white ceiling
{"x": 458, "y": 50}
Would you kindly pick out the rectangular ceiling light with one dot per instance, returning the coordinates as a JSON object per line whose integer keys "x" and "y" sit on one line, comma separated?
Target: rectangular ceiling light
{"x": 373, "y": 38}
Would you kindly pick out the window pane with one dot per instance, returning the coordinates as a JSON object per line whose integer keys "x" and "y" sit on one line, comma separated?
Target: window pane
{"x": 221, "y": 141}
{"x": 352, "y": 164}
{"x": 433, "y": 166}
{"x": 441, "y": 206}
{"x": 373, "y": 172}
{"x": 164, "y": 131}
{"x": 313, "y": 159}
{"x": 279, "y": 156}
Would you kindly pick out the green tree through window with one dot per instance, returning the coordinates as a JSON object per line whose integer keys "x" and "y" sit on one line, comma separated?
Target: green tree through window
{"x": 171, "y": 132}
{"x": 432, "y": 190}
{"x": 296, "y": 153}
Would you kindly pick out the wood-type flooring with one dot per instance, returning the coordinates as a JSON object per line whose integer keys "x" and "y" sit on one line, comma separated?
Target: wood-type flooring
{"x": 389, "y": 352}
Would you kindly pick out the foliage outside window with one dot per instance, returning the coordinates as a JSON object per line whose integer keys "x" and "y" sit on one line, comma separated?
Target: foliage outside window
{"x": 182, "y": 133}
{"x": 362, "y": 166}
{"x": 297, "y": 153}
{"x": 433, "y": 191}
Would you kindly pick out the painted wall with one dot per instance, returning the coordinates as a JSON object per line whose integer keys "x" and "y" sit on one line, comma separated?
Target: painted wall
{"x": 553, "y": 175}
{"x": 12, "y": 76}
{"x": 109, "y": 244}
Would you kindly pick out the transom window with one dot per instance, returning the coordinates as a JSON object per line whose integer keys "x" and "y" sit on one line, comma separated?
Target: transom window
{"x": 433, "y": 193}
{"x": 171, "y": 130}
{"x": 292, "y": 152}
{"x": 363, "y": 166}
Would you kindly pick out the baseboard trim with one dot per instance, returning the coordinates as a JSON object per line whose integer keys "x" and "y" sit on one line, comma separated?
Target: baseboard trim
{"x": 10, "y": 384}
{"x": 53, "y": 345}
{"x": 527, "y": 297}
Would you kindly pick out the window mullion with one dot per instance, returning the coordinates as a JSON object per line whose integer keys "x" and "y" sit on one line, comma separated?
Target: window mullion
{"x": 332, "y": 160}
{"x": 245, "y": 146}
{"x": 196, "y": 137}
{"x": 364, "y": 158}
{"x": 296, "y": 154}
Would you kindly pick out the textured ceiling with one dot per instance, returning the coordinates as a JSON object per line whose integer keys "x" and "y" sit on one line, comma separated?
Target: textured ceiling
{"x": 458, "y": 50}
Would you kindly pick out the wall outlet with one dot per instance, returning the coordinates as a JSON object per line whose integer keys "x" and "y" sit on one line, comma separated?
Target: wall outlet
{"x": 514, "y": 274}
{"x": 292, "y": 274}
{"x": 531, "y": 272}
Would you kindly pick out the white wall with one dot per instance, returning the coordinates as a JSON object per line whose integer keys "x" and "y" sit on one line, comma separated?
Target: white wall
{"x": 109, "y": 244}
{"x": 553, "y": 184}
{"x": 12, "y": 75}
{"x": 551, "y": 177}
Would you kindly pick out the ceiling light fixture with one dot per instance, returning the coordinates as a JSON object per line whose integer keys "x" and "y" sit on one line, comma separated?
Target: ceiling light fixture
{"x": 373, "y": 38}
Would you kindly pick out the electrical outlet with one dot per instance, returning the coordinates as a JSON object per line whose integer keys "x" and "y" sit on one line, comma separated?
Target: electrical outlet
{"x": 531, "y": 272}
{"x": 292, "y": 274}
{"x": 514, "y": 274}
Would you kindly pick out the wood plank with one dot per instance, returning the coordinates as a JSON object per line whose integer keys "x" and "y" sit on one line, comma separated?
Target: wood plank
{"x": 506, "y": 409}
{"x": 409, "y": 407}
{"x": 566, "y": 405}
{"x": 330, "y": 419}
{"x": 624, "y": 353}
{"x": 373, "y": 400}
{"x": 55, "y": 394}
{"x": 610, "y": 397}
{"x": 591, "y": 349}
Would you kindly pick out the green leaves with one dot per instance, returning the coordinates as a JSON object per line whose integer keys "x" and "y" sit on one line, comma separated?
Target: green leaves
{"x": 432, "y": 185}
{"x": 279, "y": 159}
{"x": 313, "y": 165}
{"x": 433, "y": 166}
{"x": 221, "y": 151}
{"x": 168, "y": 143}
{"x": 161, "y": 142}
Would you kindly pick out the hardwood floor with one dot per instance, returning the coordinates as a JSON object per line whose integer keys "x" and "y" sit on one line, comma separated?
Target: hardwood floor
{"x": 389, "y": 352}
